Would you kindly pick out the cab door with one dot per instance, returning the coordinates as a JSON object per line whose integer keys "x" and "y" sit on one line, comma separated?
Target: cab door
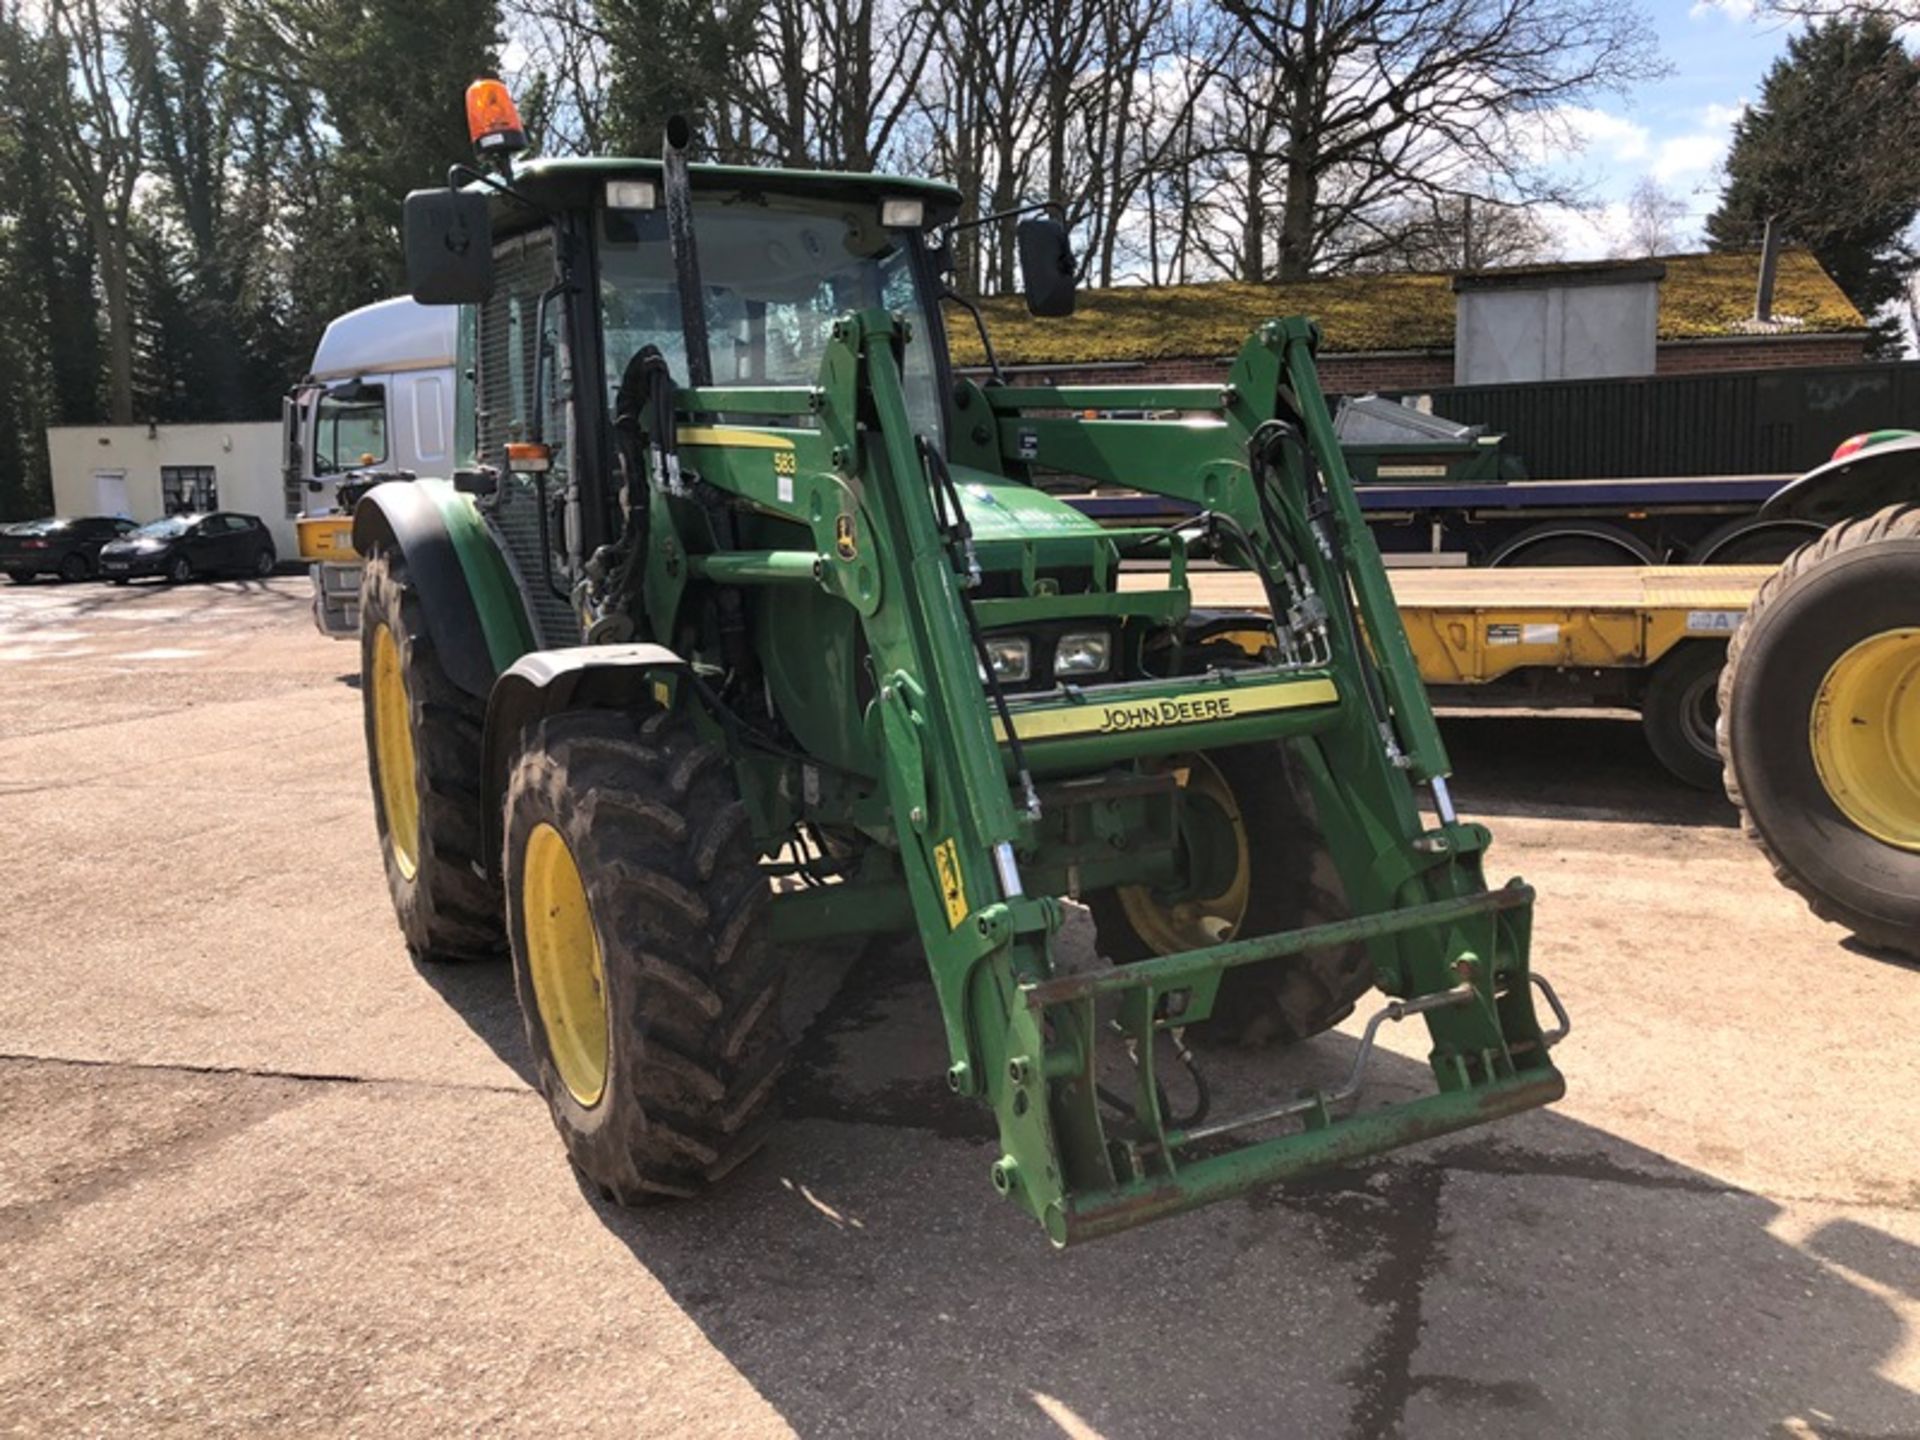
{"x": 304, "y": 494}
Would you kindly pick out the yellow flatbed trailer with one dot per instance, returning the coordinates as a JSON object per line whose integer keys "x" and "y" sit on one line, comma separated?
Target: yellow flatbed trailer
{"x": 1650, "y": 638}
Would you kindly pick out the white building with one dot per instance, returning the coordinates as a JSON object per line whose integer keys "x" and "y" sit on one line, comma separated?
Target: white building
{"x": 147, "y": 471}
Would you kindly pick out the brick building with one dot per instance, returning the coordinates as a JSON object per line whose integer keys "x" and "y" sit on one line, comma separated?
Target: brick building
{"x": 1398, "y": 332}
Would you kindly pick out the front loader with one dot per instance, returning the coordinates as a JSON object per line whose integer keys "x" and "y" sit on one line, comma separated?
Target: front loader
{"x": 748, "y": 635}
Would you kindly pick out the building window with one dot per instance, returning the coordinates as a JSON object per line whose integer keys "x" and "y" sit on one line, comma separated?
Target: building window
{"x": 188, "y": 489}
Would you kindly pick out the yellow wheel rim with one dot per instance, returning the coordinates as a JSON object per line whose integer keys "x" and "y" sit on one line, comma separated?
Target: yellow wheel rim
{"x": 1215, "y": 838}
{"x": 1866, "y": 736}
{"x": 563, "y": 957}
{"x": 393, "y": 753}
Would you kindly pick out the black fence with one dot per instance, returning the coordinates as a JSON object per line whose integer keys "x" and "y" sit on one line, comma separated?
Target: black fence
{"x": 1751, "y": 422}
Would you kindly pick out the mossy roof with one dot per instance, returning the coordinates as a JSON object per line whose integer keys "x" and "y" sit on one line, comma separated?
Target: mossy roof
{"x": 1703, "y": 297}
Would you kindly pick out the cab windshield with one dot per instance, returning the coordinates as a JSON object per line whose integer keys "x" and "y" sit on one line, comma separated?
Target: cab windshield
{"x": 775, "y": 281}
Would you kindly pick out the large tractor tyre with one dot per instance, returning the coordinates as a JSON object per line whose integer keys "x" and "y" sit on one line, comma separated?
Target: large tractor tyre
{"x": 638, "y": 915}
{"x": 1680, "y": 711}
{"x": 1820, "y": 726}
{"x": 1257, "y": 865}
{"x": 423, "y": 758}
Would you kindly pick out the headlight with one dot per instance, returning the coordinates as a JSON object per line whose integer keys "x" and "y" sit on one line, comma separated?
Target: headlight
{"x": 1012, "y": 657}
{"x": 1085, "y": 652}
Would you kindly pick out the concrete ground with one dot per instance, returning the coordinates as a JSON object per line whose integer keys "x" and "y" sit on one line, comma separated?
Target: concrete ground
{"x": 259, "y": 1174}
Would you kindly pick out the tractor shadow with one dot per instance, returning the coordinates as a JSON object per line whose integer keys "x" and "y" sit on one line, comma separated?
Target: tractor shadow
{"x": 1583, "y": 766}
{"x": 481, "y": 993}
{"x": 1537, "y": 1276}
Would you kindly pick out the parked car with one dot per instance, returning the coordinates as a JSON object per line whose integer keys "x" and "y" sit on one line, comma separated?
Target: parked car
{"x": 185, "y": 547}
{"x": 63, "y": 545}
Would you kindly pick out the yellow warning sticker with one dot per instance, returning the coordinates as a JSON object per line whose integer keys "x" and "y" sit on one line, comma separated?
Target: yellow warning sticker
{"x": 953, "y": 890}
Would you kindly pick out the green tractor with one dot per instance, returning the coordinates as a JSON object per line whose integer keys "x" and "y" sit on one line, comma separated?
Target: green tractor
{"x": 1819, "y": 722}
{"x": 747, "y": 636}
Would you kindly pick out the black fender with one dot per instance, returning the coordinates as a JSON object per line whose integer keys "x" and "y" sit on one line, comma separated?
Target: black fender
{"x": 411, "y": 519}
{"x": 1858, "y": 484}
{"x": 546, "y": 682}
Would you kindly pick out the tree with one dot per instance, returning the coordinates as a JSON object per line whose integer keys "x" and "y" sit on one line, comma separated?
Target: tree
{"x": 1653, "y": 219}
{"x": 94, "y": 118}
{"x": 1454, "y": 233}
{"x": 1386, "y": 101}
{"x": 1832, "y": 153}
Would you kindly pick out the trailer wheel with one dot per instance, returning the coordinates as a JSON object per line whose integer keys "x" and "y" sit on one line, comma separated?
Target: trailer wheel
{"x": 1752, "y": 541}
{"x": 1820, "y": 726}
{"x": 1257, "y": 865}
{"x": 638, "y": 916}
{"x": 1680, "y": 712}
{"x": 423, "y": 759}
{"x": 1573, "y": 542}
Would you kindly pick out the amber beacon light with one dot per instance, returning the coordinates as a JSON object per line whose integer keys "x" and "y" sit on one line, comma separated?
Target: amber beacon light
{"x": 492, "y": 120}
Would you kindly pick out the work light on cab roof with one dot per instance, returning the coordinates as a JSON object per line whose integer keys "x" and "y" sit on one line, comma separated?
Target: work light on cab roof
{"x": 493, "y": 121}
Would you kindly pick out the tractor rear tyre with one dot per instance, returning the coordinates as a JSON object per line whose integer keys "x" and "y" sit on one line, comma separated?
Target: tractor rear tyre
{"x": 1820, "y": 726}
{"x": 1259, "y": 865}
{"x": 423, "y": 758}
{"x": 638, "y": 915}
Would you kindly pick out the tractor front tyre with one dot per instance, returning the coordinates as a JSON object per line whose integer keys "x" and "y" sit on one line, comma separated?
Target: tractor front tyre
{"x": 638, "y": 913}
{"x": 1820, "y": 726}
{"x": 1256, "y": 863}
{"x": 423, "y": 758}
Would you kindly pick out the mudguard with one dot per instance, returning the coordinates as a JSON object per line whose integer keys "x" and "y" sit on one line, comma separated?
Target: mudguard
{"x": 475, "y": 614}
{"x": 1887, "y": 473}
{"x": 546, "y": 682}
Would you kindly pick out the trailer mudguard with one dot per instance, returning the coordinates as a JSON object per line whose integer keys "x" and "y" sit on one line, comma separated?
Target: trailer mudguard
{"x": 1884, "y": 473}
{"x": 475, "y": 614}
{"x": 546, "y": 682}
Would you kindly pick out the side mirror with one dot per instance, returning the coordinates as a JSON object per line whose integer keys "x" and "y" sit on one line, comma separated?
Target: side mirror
{"x": 449, "y": 243}
{"x": 1046, "y": 266}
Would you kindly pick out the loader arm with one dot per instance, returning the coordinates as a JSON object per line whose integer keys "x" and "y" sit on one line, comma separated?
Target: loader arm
{"x": 1022, "y": 1034}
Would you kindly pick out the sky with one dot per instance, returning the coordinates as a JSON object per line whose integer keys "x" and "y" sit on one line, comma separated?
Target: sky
{"x": 1674, "y": 129}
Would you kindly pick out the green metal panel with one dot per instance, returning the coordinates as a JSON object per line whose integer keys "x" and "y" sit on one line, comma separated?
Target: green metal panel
{"x": 503, "y": 615}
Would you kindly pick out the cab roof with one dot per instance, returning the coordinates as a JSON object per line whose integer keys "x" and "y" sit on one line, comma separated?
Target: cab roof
{"x": 567, "y": 181}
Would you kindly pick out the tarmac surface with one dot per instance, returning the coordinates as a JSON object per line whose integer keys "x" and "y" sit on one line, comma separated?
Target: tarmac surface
{"x": 261, "y": 1174}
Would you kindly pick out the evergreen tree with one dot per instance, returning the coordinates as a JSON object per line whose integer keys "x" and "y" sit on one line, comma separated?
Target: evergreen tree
{"x": 1832, "y": 152}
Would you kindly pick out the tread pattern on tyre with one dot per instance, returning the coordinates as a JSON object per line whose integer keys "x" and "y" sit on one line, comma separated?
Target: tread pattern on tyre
{"x": 1901, "y": 522}
{"x": 450, "y": 908}
{"x": 680, "y": 905}
{"x": 1296, "y": 885}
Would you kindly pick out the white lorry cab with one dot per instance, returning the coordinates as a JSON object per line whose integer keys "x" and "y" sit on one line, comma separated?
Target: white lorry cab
{"x": 378, "y": 403}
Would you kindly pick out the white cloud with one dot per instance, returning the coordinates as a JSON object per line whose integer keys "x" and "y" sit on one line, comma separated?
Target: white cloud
{"x": 1601, "y": 131}
{"x": 1686, "y": 156}
{"x": 1722, "y": 117}
{"x": 1589, "y": 233}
